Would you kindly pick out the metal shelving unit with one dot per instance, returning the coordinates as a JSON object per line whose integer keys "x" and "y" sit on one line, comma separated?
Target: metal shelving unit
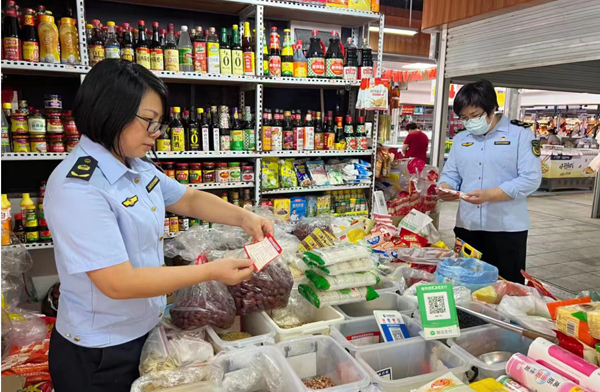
{"x": 222, "y": 185}
{"x": 300, "y": 189}
{"x": 35, "y": 246}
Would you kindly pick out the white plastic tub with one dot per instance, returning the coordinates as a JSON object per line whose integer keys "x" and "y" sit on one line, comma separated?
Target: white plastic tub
{"x": 323, "y": 318}
{"x": 243, "y": 358}
{"x": 482, "y": 340}
{"x": 386, "y": 301}
{"x": 363, "y": 325}
{"x": 316, "y": 356}
{"x": 412, "y": 363}
{"x": 261, "y": 330}
{"x": 386, "y": 285}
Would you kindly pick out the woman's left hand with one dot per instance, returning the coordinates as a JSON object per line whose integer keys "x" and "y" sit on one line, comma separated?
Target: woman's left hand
{"x": 478, "y": 197}
{"x": 256, "y": 226}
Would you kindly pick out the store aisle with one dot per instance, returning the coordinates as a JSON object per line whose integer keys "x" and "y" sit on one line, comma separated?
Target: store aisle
{"x": 564, "y": 242}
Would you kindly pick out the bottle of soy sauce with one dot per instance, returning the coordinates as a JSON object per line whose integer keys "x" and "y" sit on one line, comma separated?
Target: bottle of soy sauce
{"x": 316, "y": 57}
{"x": 334, "y": 59}
{"x": 142, "y": 50}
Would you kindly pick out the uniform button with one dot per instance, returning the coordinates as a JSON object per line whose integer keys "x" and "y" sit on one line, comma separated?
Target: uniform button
{"x": 154, "y": 207}
{"x": 76, "y": 338}
{"x": 478, "y": 206}
{"x": 480, "y": 163}
{"x": 137, "y": 180}
{"x": 482, "y": 149}
{"x": 160, "y": 238}
{"x": 480, "y": 178}
{"x": 68, "y": 335}
{"x": 159, "y": 315}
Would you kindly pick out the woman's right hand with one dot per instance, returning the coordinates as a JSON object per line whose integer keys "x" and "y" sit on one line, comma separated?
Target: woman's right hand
{"x": 231, "y": 271}
{"x": 445, "y": 196}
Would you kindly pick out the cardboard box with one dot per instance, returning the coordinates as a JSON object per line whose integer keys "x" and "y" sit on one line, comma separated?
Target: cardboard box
{"x": 297, "y": 209}
{"x": 364, "y": 5}
{"x": 281, "y": 208}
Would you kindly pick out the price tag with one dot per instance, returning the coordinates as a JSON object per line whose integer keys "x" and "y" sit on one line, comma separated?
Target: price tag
{"x": 263, "y": 252}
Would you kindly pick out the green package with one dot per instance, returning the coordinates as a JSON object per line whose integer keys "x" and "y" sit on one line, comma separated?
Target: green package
{"x": 438, "y": 311}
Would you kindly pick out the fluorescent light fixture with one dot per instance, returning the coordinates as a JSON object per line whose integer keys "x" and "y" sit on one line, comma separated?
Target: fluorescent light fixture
{"x": 419, "y": 66}
{"x": 394, "y": 30}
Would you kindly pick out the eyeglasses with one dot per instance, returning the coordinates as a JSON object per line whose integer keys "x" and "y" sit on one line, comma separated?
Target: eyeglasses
{"x": 154, "y": 126}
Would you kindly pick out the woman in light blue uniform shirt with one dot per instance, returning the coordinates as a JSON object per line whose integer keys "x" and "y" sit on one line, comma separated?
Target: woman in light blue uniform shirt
{"x": 495, "y": 162}
{"x": 105, "y": 205}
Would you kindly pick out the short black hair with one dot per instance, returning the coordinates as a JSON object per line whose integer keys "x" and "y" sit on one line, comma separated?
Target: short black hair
{"x": 411, "y": 126}
{"x": 109, "y": 98}
{"x": 480, "y": 94}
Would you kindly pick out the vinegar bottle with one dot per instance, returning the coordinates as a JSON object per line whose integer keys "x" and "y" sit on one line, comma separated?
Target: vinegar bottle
{"x": 186, "y": 63}
{"x": 316, "y": 57}
{"x": 334, "y": 59}
{"x": 300, "y": 63}
{"x": 171, "y": 52}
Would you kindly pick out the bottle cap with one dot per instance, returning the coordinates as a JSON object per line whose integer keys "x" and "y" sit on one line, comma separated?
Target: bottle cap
{"x": 141, "y": 23}
{"x": 200, "y": 110}
{"x": 315, "y": 32}
{"x": 235, "y": 27}
{"x": 96, "y": 21}
{"x": 274, "y": 28}
{"x": 170, "y": 26}
{"x": 154, "y": 24}
{"x": 47, "y": 18}
{"x": 199, "y": 29}
{"x": 184, "y": 28}
{"x": 10, "y": 3}
{"x": 162, "y": 31}
{"x": 361, "y": 118}
{"x": 87, "y": 26}
{"x": 176, "y": 109}
{"x": 107, "y": 23}
{"x": 7, "y": 105}
{"x": 125, "y": 26}
{"x": 186, "y": 112}
{"x": 67, "y": 21}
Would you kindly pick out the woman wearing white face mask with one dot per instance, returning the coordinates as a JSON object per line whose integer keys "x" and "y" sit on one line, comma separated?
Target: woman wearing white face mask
{"x": 495, "y": 165}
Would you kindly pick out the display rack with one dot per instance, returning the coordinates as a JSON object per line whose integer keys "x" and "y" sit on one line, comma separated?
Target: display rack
{"x": 258, "y": 10}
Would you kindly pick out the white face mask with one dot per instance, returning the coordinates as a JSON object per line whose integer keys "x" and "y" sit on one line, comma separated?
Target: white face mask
{"x": 477, "y": 126}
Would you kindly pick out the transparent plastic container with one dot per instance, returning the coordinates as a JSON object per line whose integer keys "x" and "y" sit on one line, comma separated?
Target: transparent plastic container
{"x": 413, "y": 363}
{"x": 482, "y": 340}
{"x": 386, "y": 301}
{"x": 241, "y": 359}
{"x": 323, "y": 318}
{"x": 386, "y": 285}
{"x": 316, "y": 356}
{"x": 255, "y": 324}
{"x": 477, "y": 307}
{"x": 364, "y": 325}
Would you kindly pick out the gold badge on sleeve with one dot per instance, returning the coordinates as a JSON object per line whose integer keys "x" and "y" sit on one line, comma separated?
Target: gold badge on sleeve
{"x": 467, "y": 144}
{"x": 535, "y": 147}
{"x": 152, "y": 184}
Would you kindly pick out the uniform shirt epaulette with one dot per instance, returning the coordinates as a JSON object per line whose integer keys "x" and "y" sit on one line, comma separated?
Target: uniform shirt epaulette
{"x": 520, "y": 123}
{"x": 83, "y": 168}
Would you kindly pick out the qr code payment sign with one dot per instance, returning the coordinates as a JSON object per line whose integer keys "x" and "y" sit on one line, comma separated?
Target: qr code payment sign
{"x": 436, "y": 306}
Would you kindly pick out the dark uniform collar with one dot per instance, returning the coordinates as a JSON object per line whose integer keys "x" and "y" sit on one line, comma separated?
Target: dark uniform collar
{"x": 111, "y": 167}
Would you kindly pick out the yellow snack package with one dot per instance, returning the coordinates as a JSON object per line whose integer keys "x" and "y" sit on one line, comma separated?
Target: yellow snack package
{"x": 487, "y": 385}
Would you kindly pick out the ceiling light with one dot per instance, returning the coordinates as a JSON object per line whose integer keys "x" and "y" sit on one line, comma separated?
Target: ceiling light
{"x": 419, "y": 66}
{"x": 394, "y": 30}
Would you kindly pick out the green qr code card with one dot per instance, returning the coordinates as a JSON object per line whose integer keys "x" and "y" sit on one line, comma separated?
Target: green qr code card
{"x": 438, "y": 311}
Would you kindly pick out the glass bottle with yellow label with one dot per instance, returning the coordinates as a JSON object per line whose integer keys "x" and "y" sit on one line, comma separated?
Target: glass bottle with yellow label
{"x": 237, "y": 55}
{"x": 177, "y": 131}
{"x": 212, "y": 48}
{"x": 225, "y": 53}
{"x": 171, "y": 51}
{"x": 142, "y": 50}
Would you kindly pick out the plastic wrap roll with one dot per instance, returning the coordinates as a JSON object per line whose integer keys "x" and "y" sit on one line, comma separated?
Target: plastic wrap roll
{"x": 538, "y": 378}
{"x": 565, "y": 363}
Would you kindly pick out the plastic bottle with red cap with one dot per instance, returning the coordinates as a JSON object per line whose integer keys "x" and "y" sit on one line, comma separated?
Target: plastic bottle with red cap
{"x": 316, "y": 57}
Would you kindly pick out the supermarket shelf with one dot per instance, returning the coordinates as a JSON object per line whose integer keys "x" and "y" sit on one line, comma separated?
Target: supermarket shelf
{"x": 307, "y": 82}
{"x": 273, "y": 9}
{"x": 25, "y": 67}
{"x": 205, "y": 78}
{"x": 314, "y": 189}
{"x": 205, "y": 154}
{"x": 33, "y": 156}
{"x": 316, "y": 153}
{"x": 44, "y": 245}
{"x": 224, "y": 185}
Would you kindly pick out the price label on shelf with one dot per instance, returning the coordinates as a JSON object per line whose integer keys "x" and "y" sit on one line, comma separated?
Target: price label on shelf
{"x": 263, "y": 252}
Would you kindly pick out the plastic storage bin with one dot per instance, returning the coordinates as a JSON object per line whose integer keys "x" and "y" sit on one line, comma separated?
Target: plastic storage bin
{"x": 316, "y": 356}
{"x": 255, "y": 324}
{"x": 482, "y": 340}
{"x": 412, "y": 363}
{"x": 364, "y": 325}
{"x": 386, "y": 285}
{"x": 479, "y": 308}
{"x": 386, "y": 301}
{"x": 241, "y": 359}
{"x": 323, "y": 318}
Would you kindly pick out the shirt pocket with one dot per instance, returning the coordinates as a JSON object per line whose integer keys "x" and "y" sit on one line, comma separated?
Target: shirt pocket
{"x": 508, "y": 154}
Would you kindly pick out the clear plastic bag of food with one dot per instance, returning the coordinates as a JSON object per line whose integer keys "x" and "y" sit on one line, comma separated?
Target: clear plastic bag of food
{"x": 267, "y": 289}
{"x": 297, "y": 312}
{"x": 196, "y": 378}
{"x": 15, "y": 259}
{"x": 164, "y": 352}
{"x": 494, "y": 293}
{"x": 423, "y": 255}
{"x": 469, "y": 272}
{"x": 337, "y": 254}
{"x": 320, "y": 298}
{"x": 27, "y": 328}
{"x": 6, "y": 327}
{"x": 340, "y": 282}
{"x": 202, "y": 304}
{"x": 347, "y": 267}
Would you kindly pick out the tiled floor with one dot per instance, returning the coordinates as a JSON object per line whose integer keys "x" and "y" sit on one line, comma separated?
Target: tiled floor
{"x": 564, "y": 242}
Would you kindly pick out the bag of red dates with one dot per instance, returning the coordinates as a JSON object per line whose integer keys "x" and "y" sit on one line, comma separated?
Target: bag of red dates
{"x": 268, "y": 289}
{"x": 207, "y": 303}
